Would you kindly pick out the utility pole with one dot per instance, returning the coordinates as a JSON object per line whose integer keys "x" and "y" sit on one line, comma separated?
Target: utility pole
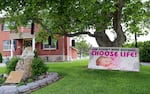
{"x": 136, "y": 44}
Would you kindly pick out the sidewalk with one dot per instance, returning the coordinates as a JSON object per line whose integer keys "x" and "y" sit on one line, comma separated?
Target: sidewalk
{"x": 2, "y": 64}
{"x": 145, "y": 63}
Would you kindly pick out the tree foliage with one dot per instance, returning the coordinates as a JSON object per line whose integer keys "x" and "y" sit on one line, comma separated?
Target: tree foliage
{"x": 83, "y": 47}
{"x": 75, "y": 17}
{"x": 144, "y": 50}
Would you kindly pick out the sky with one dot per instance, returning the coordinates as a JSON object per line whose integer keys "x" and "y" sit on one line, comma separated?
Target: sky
{"x": 92, "y": 40}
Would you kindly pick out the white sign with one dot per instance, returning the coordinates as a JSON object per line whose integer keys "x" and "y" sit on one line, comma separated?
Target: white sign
{"x": 114, "y": 58}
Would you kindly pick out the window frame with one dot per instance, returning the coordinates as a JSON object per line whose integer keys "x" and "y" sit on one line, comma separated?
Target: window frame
{"x": 5, "y": 26}
{"x": 7, "y": 46}
{"x": 50, "y": 47}
{"x": 28, "y": 25}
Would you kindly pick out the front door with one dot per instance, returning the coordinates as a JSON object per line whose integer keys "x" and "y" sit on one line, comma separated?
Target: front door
{"x": 27, "y": 43}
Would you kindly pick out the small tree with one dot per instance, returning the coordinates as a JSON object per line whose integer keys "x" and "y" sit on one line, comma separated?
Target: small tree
{"x": 83, "y": 48}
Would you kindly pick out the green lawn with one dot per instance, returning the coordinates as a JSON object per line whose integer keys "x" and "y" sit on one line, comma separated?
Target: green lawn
{"x": 2, "y": 70}
{"x": 77, "y": 79}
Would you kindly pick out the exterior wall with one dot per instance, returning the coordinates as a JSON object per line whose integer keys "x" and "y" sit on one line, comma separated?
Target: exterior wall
{"x": 62, "y": 53}
{"x": 54, "y": 58}
{"x": 4, "y": 35}
{"x": 74, "y": 53}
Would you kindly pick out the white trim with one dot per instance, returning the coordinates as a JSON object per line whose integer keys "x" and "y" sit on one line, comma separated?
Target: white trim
{"x": 33, "y": 43}
{"x": 4, "y": 49}
{"x": 49, "y": 48}
{"x": 12, "y": 47}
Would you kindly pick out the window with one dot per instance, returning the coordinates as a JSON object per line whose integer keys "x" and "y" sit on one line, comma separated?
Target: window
{"x": 7, "y": 26}
{"x": 6, "y": 45}
{"x": 54, "y": 44}
{"x": 28, "y": 25}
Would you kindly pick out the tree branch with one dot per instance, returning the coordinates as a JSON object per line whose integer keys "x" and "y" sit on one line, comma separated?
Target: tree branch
{"x": 80, "y": 33}
{"x": 65, "y": 33}
{"x": 121, "y": 38}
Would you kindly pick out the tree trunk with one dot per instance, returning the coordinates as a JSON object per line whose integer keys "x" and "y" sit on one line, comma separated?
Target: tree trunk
{"x": 102, "y": 38}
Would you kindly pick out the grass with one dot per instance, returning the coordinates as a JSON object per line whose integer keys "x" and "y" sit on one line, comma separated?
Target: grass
{"x": 77, "y": 79}
{"x": 2, "y": 70}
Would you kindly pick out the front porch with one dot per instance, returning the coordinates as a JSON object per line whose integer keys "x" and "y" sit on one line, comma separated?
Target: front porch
{"x": 23, "y": 40}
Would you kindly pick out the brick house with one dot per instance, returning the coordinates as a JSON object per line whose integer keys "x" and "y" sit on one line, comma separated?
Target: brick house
{"x": 13, "y": 44}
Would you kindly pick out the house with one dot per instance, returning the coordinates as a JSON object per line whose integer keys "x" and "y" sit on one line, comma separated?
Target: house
{"x": 13, "y": 43}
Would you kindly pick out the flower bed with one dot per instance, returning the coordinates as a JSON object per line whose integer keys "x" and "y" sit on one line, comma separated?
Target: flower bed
{"x": 29, "y": 87}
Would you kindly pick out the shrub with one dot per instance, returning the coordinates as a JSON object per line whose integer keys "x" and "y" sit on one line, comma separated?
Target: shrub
{"x": 1, "y": 58}
{"x": 2, "y": 80}
{"x": 21, "y": 83}
{"x": 30, "y": 80}
{"x": 38, "y": 67}
{"x": 12, "y": 64}
{"x": 145, "y": 52}
{"x": 35, "y": 54}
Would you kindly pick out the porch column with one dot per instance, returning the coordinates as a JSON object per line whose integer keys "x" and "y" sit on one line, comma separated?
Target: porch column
{"x": 33, "y": 43}
{"x": 12, "y": 48}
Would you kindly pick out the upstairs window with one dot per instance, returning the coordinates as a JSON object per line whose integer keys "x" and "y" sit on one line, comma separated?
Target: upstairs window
{"x": 7, "y": 26}
{"x": 54, "y": 45}
{"x": 28, "y": 25}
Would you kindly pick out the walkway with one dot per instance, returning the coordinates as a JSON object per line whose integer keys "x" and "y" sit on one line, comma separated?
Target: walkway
{"x": 145, "y": 63}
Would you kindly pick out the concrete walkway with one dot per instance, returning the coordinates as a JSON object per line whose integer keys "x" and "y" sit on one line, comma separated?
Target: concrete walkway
{"x": 145, "y": 63}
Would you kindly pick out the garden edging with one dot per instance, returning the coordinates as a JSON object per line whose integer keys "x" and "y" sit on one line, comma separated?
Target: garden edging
{"x": 30, "y": 87}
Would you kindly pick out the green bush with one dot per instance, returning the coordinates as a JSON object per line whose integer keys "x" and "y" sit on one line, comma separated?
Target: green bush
{"x": 145, "y": 52}
{"x": 12, "y": 64}
{"x": 30, "y": 80}
{"x": 1, "y": 58}
{"x": 35, "y": 54}
{"x": 21, "y": 83}
{"x": 2, "y": 80}
{"x": 38, "y": 67}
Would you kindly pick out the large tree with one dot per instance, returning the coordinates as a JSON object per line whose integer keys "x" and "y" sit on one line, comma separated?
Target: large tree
{"x": 75, "y": 17}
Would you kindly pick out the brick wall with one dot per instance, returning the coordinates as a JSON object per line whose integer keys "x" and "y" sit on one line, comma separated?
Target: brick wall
{"x": 62, "y": 53}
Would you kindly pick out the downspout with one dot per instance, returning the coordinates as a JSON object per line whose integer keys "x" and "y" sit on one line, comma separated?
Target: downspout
{"x": 33, "y": 43}
{"x": 11, "y": 52}
{"x": 70, "y": 50}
